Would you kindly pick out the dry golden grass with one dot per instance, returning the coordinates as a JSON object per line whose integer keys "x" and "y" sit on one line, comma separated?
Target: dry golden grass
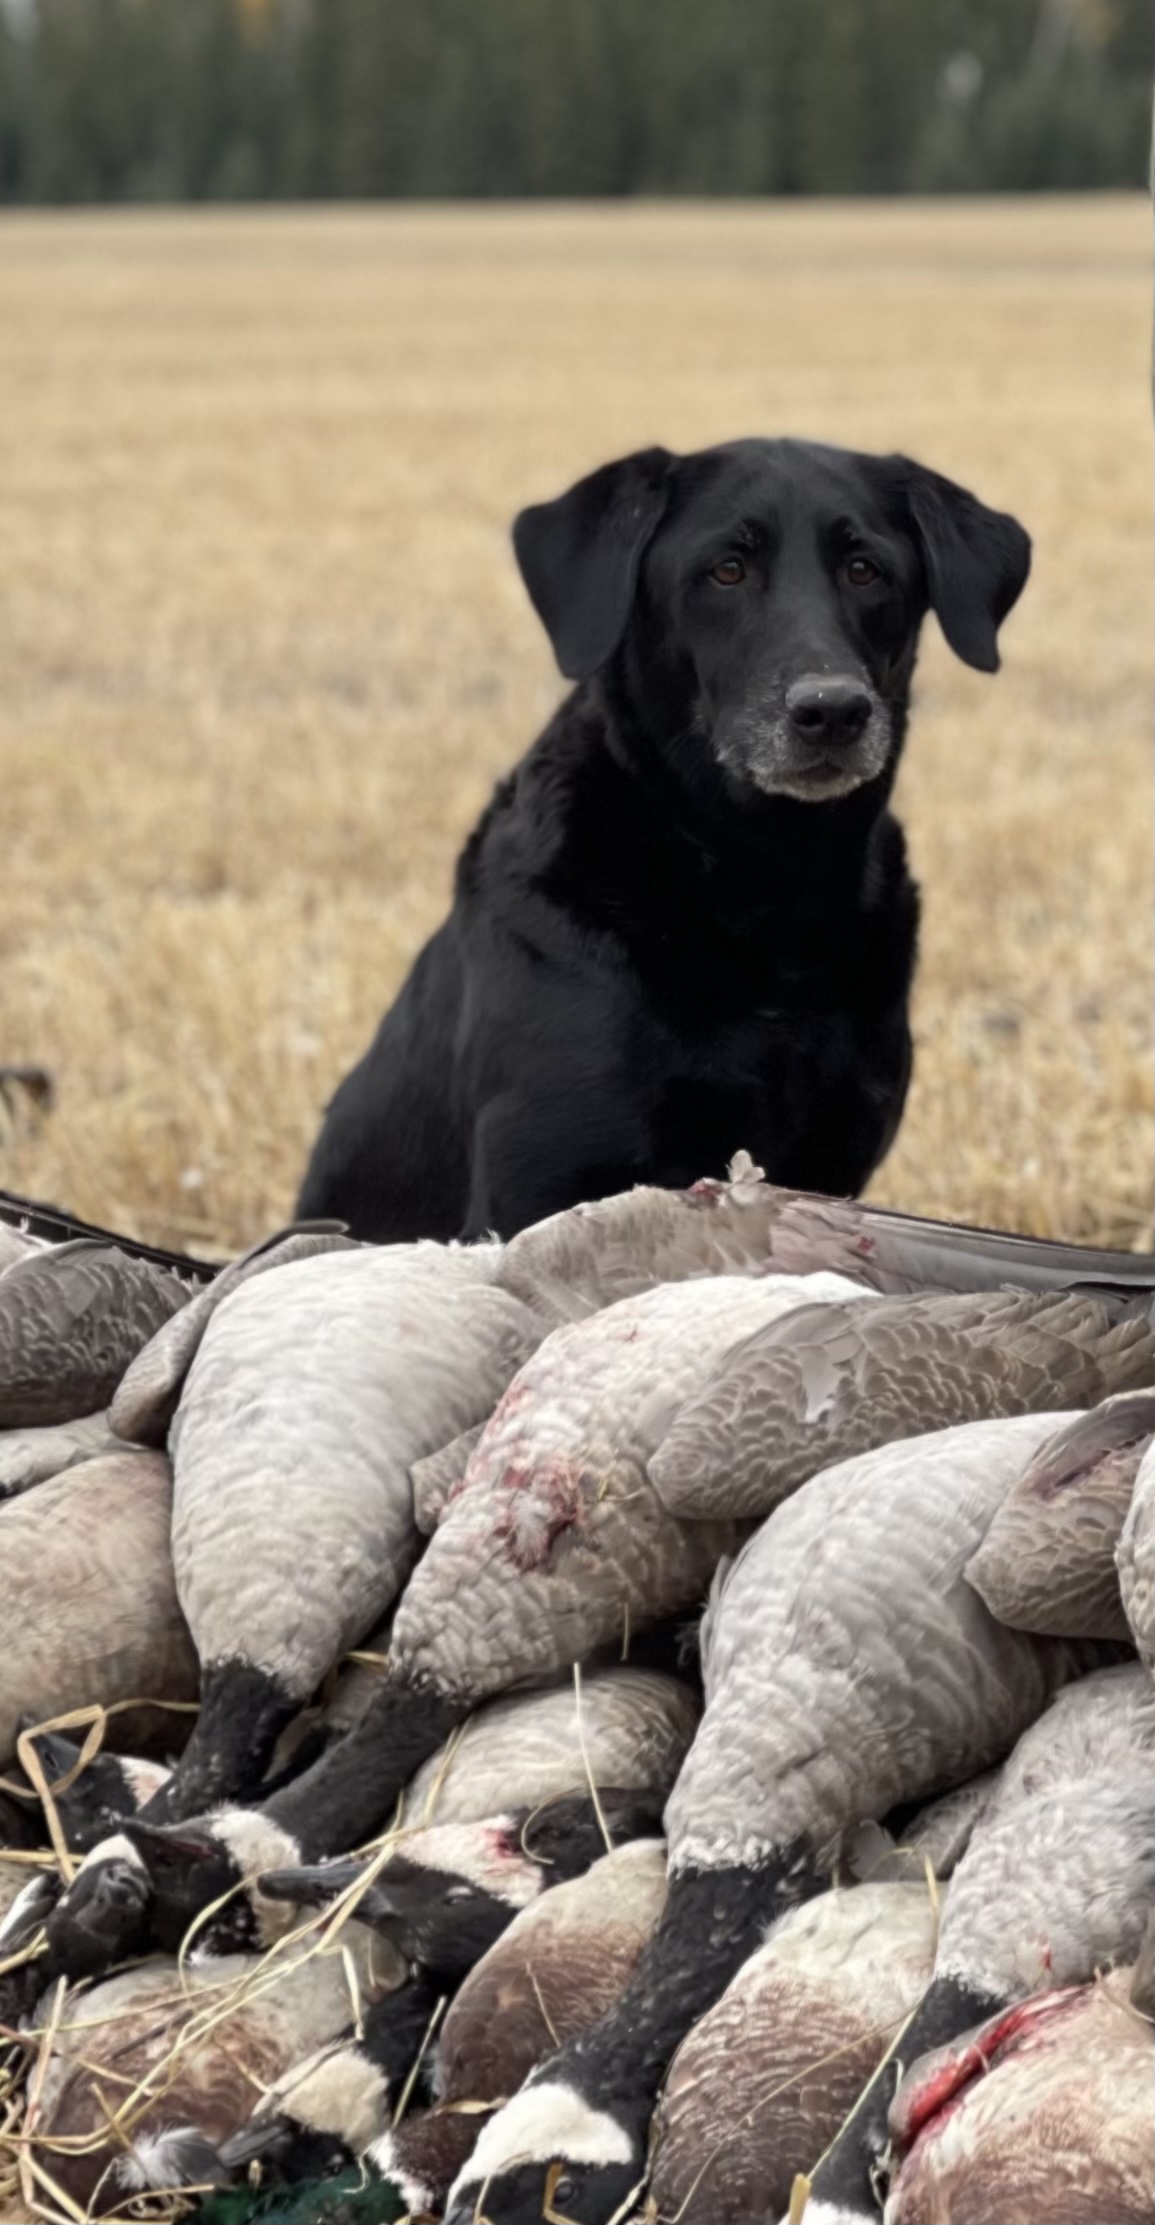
{"x": 264, "y": 648}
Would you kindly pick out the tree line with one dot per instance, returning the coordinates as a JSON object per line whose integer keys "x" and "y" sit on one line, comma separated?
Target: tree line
{"x": 175, "y": 100}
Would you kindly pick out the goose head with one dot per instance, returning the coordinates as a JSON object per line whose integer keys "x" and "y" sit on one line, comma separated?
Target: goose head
{"x": 103, "y": 1917}
{"x": 191, "y": 1867}
{"x": 552, "y": 2152}
{"x": 110, "y": 1787}
{"x": 451, "y": 1890}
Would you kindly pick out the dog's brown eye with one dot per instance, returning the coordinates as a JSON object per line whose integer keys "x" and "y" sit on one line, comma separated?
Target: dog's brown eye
{"x": 860, "y": 571}
{"x": 729, "y": 573}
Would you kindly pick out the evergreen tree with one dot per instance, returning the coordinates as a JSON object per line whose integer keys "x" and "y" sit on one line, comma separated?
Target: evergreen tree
{"x": 199, "y": 99}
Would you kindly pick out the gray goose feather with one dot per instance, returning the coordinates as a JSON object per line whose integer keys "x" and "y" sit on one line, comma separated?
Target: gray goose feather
{"x": 31, "y": 1456}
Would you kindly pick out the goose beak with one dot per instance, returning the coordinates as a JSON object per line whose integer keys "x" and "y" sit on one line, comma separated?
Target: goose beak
{"x": 313, "y": 1883}
{"x": 251, "y": 2144}
{"x": 57, "y": 1755}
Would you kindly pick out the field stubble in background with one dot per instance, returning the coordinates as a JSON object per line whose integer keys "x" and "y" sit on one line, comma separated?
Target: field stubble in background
{"x": 263, "y": 646}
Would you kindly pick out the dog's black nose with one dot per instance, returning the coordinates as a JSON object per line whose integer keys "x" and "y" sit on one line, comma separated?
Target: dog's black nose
{"x": 828, "y": 710}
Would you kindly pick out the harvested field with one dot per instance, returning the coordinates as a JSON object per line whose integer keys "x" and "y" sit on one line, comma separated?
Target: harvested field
{"x": 263, "y": 647}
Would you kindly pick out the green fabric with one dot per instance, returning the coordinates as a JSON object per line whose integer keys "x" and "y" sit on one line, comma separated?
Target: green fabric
{"x": 342, "y": 2201}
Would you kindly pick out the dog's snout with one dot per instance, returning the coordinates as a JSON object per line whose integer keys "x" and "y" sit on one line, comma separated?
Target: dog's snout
{"x": 828, "y": 710}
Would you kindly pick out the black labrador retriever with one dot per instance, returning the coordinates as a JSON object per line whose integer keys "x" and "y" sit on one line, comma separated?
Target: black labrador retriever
{"x": 685, "y": 923}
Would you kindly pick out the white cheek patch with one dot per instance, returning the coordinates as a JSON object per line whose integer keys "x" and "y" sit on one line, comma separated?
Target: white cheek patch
{"x": 143, "y": 1778}
{"x": 254, "y": 1841}
{"x": 488, "y": 1855}
{"x": 337, "y": 2090}
{"x": 543, "y": 2124}
{"x": 383, "y": 2158}
{"x": 116, "y": 1849}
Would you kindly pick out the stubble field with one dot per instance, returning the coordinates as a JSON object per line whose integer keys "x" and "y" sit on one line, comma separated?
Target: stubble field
{"x": 263, "y": 648}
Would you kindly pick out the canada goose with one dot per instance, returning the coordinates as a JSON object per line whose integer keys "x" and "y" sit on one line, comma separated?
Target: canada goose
{"x": 449, "y": 1891}
{"x": 88, "y": 1606}
{"x": 72, "y": 1316}
{"x": 1057, "y": 1880}
{"x": 561, "y": 1965}
{"x": 370, "y": 1360}
{"x": 628, "y": 1728}
{"x": 554, "y": 1543}
{"x": 1043, "y": 2115}
{"x": 590, "y": 1256}
{"x": 31, "y": 1456}
{"x": 869, "y": 1709}
{"x": 102, "y": 1918}
{"x": 441, "y": 1900}
{"x": 327, "y": 2108}
{"x": 825, "y": 1384}
{"x": 1135, "y": 1559}
{"x": 146, "y": 1886}
{"x": 148, "y": 2025}
{"x": 149, "y": 1391}
{"x": 109, "y": 1787}
{"x": 762, "y": 2083}
{"x": 1048, "y": 1560}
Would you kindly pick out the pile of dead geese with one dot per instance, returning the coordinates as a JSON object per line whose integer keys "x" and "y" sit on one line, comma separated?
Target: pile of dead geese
{"x": 650, "y": 1720}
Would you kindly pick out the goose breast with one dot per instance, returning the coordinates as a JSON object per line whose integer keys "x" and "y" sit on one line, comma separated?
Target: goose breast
{"x": 868, "y": 1707}
{"x": 312, "y": 1391}
{"x": 1044, "y": 2115}
{"x": 88, "y": 1603}
{"x": 555, "y": 1542}
{"x": 760, "y": 2086}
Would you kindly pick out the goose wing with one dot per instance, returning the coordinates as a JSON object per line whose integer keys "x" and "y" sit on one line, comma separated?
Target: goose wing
{"x": 826, "y": 1383}
{"x": 591, "y": 1256}
{"x": 1048, "y": 1560}
{"x": 72, "y": 1317}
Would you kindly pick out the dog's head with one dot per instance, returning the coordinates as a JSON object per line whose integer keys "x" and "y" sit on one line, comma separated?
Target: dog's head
{"x": 761, "y": 602}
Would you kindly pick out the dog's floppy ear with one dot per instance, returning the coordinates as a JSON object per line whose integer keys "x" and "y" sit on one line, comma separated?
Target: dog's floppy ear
{"x": 976, "y": 559}
{"x": 579, "y": 556}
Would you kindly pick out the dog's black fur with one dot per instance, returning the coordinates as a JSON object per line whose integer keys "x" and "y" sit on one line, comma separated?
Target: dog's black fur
{"x": 685, "y": 923}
